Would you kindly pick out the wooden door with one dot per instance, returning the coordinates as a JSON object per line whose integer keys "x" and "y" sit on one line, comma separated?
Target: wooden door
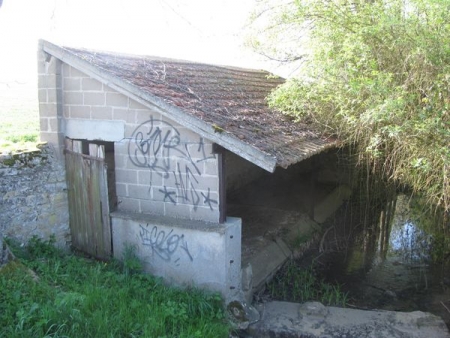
{"x": 90, "y": 224}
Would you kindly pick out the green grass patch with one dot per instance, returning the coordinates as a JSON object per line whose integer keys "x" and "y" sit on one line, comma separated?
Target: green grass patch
{"x": 19, "y": 119}
{"x": 296, "y": 284}
{"x": 46, "y": 293}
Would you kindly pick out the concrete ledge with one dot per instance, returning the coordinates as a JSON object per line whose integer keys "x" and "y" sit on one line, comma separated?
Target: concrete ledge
{"x": 176, "y": 222}
{"x": 103, "y": 130}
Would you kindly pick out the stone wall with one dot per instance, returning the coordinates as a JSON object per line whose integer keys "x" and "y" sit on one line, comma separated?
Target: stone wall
{"x": 33, "y": 196}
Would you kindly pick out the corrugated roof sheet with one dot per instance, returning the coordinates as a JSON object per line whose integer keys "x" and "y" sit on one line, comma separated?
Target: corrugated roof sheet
{"x": 232, "y": 100}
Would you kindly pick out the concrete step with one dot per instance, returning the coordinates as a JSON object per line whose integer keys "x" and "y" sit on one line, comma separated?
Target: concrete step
{"x": 267, "y": 262}
{"x": 312, "y": 319}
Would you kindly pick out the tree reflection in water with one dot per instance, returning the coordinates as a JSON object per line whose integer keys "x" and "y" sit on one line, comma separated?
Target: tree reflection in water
{"x": 384, "y": 258}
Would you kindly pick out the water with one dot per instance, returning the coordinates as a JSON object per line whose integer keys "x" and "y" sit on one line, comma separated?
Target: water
{"x": 386, "y": 265}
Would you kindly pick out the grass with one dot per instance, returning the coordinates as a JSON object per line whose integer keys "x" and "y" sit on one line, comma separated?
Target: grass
{"x": 19, "y": 118}
{"x": 296, "y": 284}
{"x": 45, "y": 293}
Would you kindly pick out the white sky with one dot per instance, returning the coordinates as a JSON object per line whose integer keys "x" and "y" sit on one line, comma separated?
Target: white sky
{"x": 202, "y": 30}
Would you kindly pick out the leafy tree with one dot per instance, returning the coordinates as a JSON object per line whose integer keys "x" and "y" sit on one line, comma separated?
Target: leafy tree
{"x": 376, "y": 74}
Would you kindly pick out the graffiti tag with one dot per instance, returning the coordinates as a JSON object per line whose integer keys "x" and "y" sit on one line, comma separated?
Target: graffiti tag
{"x": 156, "y": 145}
{"x": 163, "y": 244}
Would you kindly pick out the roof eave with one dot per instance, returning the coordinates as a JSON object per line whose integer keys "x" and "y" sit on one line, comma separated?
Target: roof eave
{"x": 310, "y": 149}
{"x": 227, "y": 141}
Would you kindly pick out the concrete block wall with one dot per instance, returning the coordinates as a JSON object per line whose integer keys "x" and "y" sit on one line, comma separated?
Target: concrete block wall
{"x": 50, "y": 102}
{"x": 161, "y": 167}
{"x": 165, "y": 169}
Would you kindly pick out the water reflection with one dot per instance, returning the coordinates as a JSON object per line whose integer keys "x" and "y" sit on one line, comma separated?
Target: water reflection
{"x": 386, "y": 263}
{"x": 393, "y": 236}
{"x": 402, "y": 237}
{"x": 410, "y": 242}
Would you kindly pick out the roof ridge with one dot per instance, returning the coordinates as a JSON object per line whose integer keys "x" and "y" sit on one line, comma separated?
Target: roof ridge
{"x": 169, "y": 59}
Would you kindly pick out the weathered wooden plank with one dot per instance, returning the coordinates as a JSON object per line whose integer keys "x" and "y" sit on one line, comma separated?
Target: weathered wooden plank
{"x": 101, "y": 152}
{"x": 72, "y": 165}
{"x": 70, "y": 192}
{"x": 94, "y": 205}
{"x": 77, "y": 146}
{"x": 75, "y": 181}
{"x": 105, "y": 218}
{"x": 83, "y": 205}
{"x": 93, "y": 149}
{"x": 97, "y": 151}
{"x": 88, "y": 207}
{"x": 68, "y": 144}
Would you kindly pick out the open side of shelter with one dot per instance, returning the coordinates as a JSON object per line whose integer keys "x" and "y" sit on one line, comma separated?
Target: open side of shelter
{"x": 175, "y": 160}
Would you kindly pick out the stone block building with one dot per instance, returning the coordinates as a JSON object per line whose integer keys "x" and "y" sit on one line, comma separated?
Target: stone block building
{"x": 153, "y": 146}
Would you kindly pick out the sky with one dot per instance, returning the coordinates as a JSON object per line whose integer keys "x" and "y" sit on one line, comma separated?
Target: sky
{"x": 202, "y": 30}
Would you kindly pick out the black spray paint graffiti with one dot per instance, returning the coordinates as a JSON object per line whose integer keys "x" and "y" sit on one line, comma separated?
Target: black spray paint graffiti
{"x": 164, "y": 245}
{"x": 156, "y": 145}
{"x": 153, "y": 143}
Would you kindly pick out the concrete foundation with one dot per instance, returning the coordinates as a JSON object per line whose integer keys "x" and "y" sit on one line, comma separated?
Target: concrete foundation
{"x": 184, "y": 252}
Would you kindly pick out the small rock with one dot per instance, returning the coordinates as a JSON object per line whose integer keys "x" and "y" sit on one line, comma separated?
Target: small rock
{"x": 242, "y": 314}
